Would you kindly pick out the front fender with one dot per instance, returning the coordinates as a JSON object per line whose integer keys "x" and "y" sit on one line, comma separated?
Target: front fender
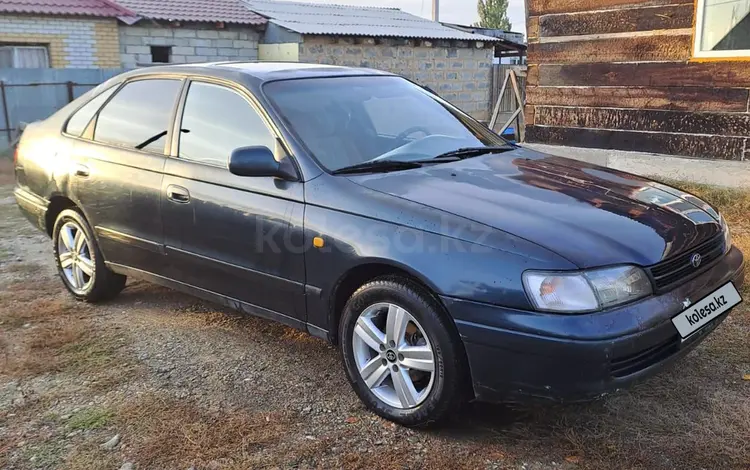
{"x": 452, "y": 267}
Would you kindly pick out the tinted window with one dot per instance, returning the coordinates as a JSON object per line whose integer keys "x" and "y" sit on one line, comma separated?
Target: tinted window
{"x": 346, "y": 121}
{"x": 410, "y": 113}
{"x": 216, "y": 121}
{"x": 77, "y": 124}
{"x": 139, "y": 115}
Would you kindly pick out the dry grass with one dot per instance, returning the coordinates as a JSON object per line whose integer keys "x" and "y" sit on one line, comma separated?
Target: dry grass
{"x": 55, "y": 336}
{"x": 166, "y": 433}
{"x": 47, "y": 326}
{"x": 88, "y": 456}
{"x": 40, "y": 309}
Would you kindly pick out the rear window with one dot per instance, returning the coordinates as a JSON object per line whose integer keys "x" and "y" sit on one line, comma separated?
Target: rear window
{"x": 139, "y": 115}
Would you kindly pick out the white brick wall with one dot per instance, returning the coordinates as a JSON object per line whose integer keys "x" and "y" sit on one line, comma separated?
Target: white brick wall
{"x": 79, "y": 35}
{"x": 189, "y": 44}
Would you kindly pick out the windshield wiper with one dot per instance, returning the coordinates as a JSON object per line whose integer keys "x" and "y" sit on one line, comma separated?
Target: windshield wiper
{"x": 469, "y": 152}
{"x": 377, "y": 166}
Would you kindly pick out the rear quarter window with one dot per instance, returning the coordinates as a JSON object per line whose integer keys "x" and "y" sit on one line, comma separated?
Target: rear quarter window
{"x": 81, "y": 118}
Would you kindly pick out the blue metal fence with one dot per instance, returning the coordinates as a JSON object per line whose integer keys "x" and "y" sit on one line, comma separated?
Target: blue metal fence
{"x": 27, "y": 95}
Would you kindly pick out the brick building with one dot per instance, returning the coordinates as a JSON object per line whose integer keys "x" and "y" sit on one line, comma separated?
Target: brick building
{"x": 454, "y": 63}
{"x": 134, "y": 33}
{"x": 174, "y": 31}
{"x": 60, "y": 33}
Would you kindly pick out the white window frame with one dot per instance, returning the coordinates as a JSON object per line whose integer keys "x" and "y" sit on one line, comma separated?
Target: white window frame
{"x": 16, "y": 48}
{"x": 698, "y": 35}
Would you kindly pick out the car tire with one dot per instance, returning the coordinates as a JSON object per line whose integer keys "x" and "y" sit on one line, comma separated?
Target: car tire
{"x": 428, "y": 400}
{"x": 79, "y": 261}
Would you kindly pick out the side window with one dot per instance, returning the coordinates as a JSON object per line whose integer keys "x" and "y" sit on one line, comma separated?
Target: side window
{"x": 139, "y": 115}
{"x": 216, "y": 121}
{"x": 78, "y": 122}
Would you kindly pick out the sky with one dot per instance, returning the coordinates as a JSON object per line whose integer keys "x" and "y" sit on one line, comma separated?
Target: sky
{"x": 451, "y": 11}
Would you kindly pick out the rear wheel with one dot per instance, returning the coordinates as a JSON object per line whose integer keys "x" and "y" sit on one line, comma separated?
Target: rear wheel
{"x": 79, "y": 261}
{"x": 402, "y": 355}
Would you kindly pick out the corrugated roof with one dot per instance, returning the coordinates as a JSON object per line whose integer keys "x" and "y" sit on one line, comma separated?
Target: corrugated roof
{"x": 228, "y": 11}
{"x": 343, "y": 20}
{"x": 102, "y": 8}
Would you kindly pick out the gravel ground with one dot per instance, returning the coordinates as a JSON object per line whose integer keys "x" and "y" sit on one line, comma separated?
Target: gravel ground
{"x": 157, "y": 379}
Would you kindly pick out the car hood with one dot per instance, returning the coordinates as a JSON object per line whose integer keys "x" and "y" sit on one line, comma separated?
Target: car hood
{"x": 591, "y": 215}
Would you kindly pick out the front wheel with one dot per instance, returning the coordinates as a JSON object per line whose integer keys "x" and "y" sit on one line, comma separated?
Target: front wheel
{"x": 401, "y": 353}
{"x": 79, "y": 261}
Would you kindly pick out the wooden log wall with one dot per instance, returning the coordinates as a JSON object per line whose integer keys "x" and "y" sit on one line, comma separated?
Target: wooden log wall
{"x": 619, "y": 74}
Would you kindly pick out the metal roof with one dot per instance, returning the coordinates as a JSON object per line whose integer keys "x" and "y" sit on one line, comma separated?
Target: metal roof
{"x": 102, "y": 8}
{"x": 511, "y": 36}
{"x": 227, "y": 11}
{"x": 343, "y": 20}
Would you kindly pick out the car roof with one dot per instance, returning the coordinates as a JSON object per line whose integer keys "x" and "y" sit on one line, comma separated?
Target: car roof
{"x": 261, "y": 71}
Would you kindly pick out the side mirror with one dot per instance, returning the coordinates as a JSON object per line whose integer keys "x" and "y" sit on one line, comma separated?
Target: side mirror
{"x": 255, "y": 161}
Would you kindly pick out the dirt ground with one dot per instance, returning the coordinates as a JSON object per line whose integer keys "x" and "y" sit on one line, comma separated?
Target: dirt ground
{"x": 159, "y": 380}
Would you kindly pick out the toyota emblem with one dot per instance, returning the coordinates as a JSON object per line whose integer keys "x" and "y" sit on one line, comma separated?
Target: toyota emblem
{"x": 695, "y": 260}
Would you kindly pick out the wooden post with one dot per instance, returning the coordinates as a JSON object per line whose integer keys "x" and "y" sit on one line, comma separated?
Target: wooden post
{"x": 496, "y": 112}
{"x": 518, "y": 114}
{"x": 5, "y": 112}
{"x": 520, "y": 131}
{"x": 71, "y": 97}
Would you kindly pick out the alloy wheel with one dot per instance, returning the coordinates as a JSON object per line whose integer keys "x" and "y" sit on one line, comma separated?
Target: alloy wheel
{"x": 74, "y": 253}
{"x": 393, "y": 355}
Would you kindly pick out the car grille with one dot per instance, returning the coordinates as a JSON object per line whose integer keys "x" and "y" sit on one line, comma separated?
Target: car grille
{"x": 673, "y": 270}
{"x": 632, "y": 363}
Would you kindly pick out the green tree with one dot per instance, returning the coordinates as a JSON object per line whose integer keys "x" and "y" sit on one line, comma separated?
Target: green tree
{"x": 493, "y": 14}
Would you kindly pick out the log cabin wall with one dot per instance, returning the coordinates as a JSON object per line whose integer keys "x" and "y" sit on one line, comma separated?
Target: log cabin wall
{"x": 620, "y": 74}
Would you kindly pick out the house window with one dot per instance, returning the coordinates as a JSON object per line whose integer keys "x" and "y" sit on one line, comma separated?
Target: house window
{"x": 161, "y": 54}
{"x": 722, "y": 28}
{"x": 24, "y": 57}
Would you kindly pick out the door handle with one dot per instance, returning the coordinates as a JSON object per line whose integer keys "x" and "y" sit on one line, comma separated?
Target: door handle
{"x": 82, "y": 170}
{"x": 178, "y": 194}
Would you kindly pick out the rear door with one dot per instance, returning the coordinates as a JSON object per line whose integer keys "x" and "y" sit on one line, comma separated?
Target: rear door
{"x": 236, "y": 236}
{"x": 117, "y": 171}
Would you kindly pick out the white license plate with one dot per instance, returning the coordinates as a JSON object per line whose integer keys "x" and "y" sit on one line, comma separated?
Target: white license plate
{"x": 706, "y": 309}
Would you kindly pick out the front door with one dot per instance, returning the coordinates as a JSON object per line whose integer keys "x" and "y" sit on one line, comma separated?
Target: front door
{"x": 117, "y": 172}
{"x": 236, "y": 236}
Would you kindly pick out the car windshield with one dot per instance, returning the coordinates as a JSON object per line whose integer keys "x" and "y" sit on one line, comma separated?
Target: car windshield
{"x": 346, "y": 121}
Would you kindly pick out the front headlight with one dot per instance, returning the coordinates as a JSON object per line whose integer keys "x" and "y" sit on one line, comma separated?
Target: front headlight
{"x": 585, "y": 291}
{"x": 727, "y": 235}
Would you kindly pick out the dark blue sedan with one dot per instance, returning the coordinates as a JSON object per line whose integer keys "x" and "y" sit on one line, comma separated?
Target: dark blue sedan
{"x": 446, "y": 263}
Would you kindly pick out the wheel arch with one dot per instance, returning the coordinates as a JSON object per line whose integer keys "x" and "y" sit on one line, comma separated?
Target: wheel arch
{"x": 57, "y": 204}
{"x": 362, "y": 273}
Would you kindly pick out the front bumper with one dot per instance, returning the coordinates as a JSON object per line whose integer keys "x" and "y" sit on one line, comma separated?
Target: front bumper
{"x": 517, "y": 356}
